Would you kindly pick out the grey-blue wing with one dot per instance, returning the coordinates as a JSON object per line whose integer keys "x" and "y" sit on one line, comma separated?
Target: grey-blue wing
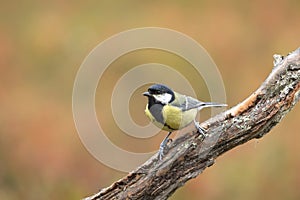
{"x": 191, "y": 103}
{"x": 188, "y": 103}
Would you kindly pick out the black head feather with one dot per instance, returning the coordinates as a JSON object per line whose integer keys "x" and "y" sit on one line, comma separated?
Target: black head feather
{"x": 154, "y": 106}
{"x": 160, "y": 89}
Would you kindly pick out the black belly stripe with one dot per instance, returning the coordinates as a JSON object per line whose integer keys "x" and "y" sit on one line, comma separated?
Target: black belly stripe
{"x": 155, "y": 109}
{"x": 169, "y": 127}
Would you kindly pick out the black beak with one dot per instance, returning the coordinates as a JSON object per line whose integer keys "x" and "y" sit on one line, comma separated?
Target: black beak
{"x": 147, "y": 94}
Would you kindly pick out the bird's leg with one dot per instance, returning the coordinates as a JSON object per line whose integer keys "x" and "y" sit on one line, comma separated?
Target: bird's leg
{"x": 163, "y": 145}
{"x": 201, "y": 130}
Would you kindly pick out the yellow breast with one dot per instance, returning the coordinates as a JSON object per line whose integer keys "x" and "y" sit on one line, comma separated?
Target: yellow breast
{"x": 177, "y": 119}
{"x": 174, "y": 118}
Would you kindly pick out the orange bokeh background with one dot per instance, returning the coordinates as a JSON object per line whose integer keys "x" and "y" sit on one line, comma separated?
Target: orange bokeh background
{"x": 42, "y": 45}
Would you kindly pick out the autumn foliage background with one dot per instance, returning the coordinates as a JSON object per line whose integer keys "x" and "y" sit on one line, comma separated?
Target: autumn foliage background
{"x": 43, "y": 43}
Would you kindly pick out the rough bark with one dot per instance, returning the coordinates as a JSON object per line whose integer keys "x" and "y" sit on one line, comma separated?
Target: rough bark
{"x": 190, "y": 154}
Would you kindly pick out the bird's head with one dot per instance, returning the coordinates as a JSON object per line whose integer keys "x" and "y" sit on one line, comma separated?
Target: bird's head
{"x": 160, "y": 94}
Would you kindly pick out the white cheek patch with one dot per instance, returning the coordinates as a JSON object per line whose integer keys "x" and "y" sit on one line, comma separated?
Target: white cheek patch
{"x": 163, "y": 98}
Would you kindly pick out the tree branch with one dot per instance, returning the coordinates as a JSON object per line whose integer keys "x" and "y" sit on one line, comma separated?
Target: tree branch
{"x": 190, "y": 154}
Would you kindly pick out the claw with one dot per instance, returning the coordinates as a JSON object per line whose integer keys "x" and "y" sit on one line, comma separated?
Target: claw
{"x": 201, "y": 130}
{"x": 163, "y": 144}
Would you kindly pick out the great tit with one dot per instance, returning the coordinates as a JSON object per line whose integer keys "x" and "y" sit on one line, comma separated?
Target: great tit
{"x": 172, "y": 111}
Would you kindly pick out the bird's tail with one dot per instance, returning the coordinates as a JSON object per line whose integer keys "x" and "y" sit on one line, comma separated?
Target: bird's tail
{"x": 211, "y": 104}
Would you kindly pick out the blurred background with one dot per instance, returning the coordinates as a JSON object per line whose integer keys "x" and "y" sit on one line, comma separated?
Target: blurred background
{"x": 42, "y": 45}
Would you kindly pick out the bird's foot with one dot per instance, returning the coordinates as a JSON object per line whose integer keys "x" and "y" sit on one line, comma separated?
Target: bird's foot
{"x": 163, "y": 146}
{"x": 201, "y": 130}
